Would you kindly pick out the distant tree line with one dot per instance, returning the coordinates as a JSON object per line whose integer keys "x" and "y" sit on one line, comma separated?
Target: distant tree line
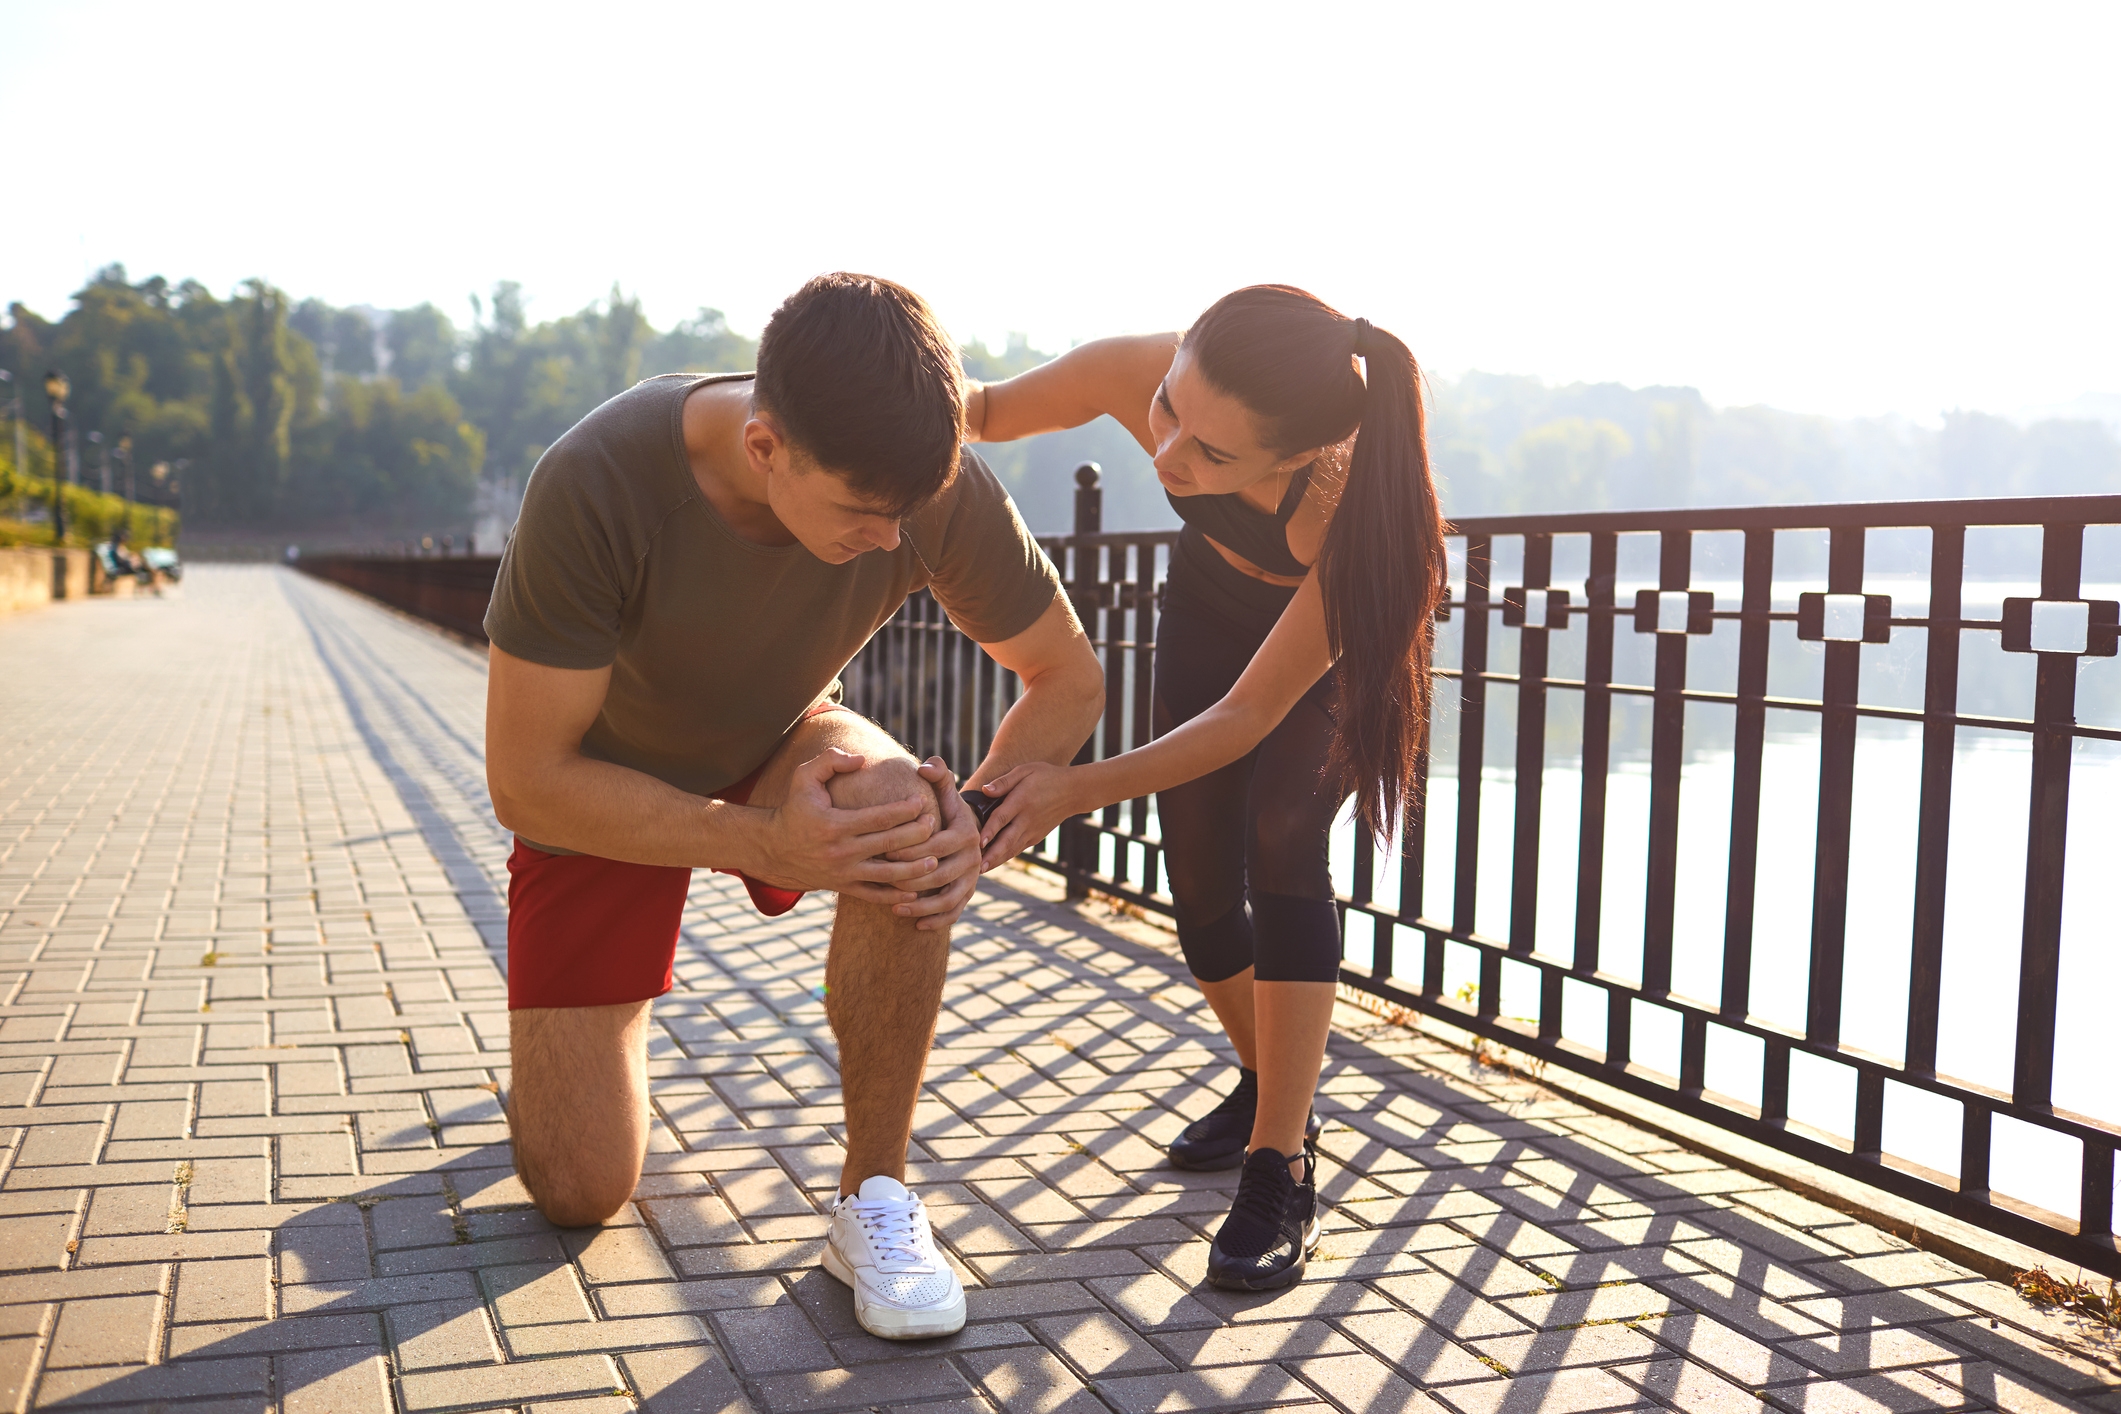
{"x": 286, "y": 414}
{"x": 1515, "y": 444}
{"x": 295, "y": 414}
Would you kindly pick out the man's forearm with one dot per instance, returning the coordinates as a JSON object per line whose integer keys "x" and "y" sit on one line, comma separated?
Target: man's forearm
{"x": 595, "y": 807}
{"x": 1050, "y": 722}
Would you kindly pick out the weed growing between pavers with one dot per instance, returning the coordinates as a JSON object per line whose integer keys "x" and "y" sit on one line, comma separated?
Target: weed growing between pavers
{"x": 2044, "y": 1289}
{"x": 180, "y": 1198}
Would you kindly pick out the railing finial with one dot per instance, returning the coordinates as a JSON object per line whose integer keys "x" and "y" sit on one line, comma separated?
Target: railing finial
{"x": 1089, "y": 499}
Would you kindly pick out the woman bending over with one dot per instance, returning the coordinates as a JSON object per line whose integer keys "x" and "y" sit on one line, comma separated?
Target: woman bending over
{"x": 1292, "y": 670}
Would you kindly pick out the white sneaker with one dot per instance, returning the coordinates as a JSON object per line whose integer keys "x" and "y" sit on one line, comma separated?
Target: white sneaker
{"x": 879, "y": 1244}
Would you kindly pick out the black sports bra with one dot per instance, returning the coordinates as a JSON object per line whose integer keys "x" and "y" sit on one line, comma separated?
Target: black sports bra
{"x": 1244, "y": 529}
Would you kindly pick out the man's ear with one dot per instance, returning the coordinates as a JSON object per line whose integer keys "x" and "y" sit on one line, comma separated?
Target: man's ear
{"x": 768, "y": 449}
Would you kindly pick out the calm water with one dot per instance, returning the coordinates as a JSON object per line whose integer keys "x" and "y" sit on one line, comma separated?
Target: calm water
{"x": 1984, "y": 903}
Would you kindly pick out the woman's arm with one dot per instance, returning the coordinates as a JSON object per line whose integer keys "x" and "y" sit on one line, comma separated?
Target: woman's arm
{"x": 1036, "y": 797}
{"x": 1115, "y": 376}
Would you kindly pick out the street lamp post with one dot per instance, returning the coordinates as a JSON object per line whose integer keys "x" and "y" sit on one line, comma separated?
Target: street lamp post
{"x": 55, "y": 389}
{"x": 15, "y": 416}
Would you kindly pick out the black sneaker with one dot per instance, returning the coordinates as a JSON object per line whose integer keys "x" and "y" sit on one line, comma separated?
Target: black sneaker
{"x": 1272, "y": 1227}
{"x": 1218, "y": 1139}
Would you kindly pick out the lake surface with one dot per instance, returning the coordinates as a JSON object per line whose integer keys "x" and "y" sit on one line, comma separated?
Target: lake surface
{"x": 1983, "y": 927}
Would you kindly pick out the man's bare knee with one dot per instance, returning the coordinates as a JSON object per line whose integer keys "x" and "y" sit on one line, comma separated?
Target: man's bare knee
{"x": 883, "y": 782}
{"x": 578, "y": 1108}
{"x": 879, "y": 783}
{"x": 570, "y": 1183}
{"x": 572, "y": 1195}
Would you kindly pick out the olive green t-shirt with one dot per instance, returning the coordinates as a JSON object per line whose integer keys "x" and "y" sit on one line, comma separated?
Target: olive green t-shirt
{"x": 717, "y": 645}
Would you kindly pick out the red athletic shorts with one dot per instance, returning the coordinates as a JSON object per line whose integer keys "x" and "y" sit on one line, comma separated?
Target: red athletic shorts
{"x": 587, "y": 931}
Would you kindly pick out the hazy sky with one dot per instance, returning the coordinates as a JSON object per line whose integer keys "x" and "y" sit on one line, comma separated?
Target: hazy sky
{"x": 1844, "y": 207}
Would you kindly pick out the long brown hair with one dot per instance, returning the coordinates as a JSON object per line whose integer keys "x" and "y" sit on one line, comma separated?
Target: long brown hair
{"x": 1290, "y": 357}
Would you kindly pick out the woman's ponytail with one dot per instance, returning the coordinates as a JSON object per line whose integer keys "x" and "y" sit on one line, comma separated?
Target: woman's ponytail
{"x": 1290, "y": 358}
{"x": 1383, "y": 573}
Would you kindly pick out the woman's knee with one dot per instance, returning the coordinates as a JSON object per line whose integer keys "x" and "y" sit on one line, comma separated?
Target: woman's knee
{"x": 1297, "y": 939}
{"x": 1217, "y": 951}
{"x": 1290, "y": 852}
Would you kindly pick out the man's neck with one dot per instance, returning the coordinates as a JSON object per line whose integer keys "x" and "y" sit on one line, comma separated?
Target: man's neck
{"x": 715, "y": 415}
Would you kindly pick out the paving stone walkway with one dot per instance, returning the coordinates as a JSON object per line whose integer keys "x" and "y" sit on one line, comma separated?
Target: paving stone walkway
{"x": 254, "y": 1025}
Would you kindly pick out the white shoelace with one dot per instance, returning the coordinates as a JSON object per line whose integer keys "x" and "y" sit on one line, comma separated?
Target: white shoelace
{"x": 898, "y": 1233}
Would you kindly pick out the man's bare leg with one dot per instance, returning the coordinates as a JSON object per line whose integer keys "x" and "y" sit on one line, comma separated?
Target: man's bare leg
{"x": 883, "y": 976}
{"x": 578, "y": 1102}
{"x": 883, "y": 989}
{"x": 578, "y": 1107}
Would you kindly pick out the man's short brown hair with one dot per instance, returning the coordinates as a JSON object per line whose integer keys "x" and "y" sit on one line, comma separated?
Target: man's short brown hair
{"x": 862, "y": 378}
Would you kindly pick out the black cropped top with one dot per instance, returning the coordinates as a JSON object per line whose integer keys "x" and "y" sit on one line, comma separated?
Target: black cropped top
{"x": 1244, "y": 529}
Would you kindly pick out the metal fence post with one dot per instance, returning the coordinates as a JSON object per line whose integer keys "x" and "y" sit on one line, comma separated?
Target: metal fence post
{"x": 1078, "y": 842}
{"x": 1089, "y": 506}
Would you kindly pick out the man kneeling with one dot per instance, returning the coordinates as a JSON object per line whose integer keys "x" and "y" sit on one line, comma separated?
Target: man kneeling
{"x": 696, "y": 562}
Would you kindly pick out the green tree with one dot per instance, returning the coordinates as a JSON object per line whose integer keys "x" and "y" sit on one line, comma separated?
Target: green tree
{"x": 140, "y": 359}
{"x": 1016, "y": 356}
{"x": 266, "y": 399}
{"x": 422, "y": 345}
{"x": 397, "y": 455}
{"x": 1762, "y": 456}
{"x": 345, "y": 339}
{"x": 702, "y": 344}
{"x": 2069, "y": 457}
{"x": 1671, "y": 450}
{"x": 1565, "y": 465}
{"x": 525, "y": 384}
{"x": 510, "y": 386}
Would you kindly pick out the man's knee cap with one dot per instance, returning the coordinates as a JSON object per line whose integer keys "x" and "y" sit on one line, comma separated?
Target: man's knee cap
{"x": 1218, "y": 951}
{"x": 1298, "y": 939}
{"x": 578, "y": 1212}
{"x": 878, "y": 783}
{"x": 576, "y": 1196}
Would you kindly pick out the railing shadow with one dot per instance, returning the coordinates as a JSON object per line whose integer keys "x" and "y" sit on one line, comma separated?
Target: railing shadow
{"x": 1479, "y": 1235}
{"x": 1605, "y": 1258}
{"x": 359, "y": 1315}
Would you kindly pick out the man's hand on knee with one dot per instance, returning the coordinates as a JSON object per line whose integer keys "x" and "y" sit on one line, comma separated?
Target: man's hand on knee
{"x": 841, "y": 820}
{"x": 952, "y": 844}
{"x": 957, "y": 851}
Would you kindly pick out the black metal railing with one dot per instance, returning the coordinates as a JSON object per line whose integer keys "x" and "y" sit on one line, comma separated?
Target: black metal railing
{"x": 449, "y": 591}
{"x": 1710, "y": 688}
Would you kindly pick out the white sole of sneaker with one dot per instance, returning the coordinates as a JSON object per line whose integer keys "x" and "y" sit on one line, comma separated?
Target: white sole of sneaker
{"x": 889, "y": 1322}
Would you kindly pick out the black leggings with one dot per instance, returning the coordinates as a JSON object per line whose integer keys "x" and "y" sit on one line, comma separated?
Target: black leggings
{"x": 1258, "y": 828}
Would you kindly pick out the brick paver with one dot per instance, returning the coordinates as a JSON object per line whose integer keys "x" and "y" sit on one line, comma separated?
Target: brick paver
{"x": 254, "y": 1030}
